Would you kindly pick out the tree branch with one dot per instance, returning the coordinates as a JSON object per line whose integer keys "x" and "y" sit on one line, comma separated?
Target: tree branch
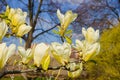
{"x": 44, "y": 32}
{"x": 3, "y": 73}
{"x": 37, "y": 14}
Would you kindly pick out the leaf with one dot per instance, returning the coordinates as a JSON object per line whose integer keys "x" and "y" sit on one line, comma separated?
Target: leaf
{"x": 93, "y": 61}
{"x": 55, "y": 31}
{"x": 68, "y": 32}
{"x": 68, "y": 39}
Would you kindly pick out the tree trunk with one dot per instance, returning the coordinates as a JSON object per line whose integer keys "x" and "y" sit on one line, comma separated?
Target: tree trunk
{"x": 29, "y": 40}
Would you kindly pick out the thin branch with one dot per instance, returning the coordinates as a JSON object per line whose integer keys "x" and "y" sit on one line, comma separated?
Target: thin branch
{"x": 37, "y": 14}
{"x": 44, "y": 32}
{"x": 3, "y": 73}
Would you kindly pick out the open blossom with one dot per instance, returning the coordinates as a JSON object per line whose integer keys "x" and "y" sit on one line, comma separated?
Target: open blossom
{"x": 5, "y": 53}
{"x": 26, "y": 55}
{"x": 65, "y": 20}
{"x": 90, "y": 34}
{"x": 41, "y": 55}
{"x": 89, "y": 47}
{"x": 3, "y": 29}
{"x": 17, "y": 16}
{"x": 61, "y": 52}
{"x": 17, "y": 21}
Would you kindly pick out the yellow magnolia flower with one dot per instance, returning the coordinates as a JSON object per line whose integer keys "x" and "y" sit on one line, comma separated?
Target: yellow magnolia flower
{"x": 22, "y": 30}
{"x": 75, "y": 70}
{"x": 5, "y": 53}
{"x": 17, "y": 21}
{"x": 61, "y": 52}
{"x": 65, "y": 20}
{"x": 91, "y": 51}
{"x": 41, "y": 56}
{"x": 26, "y": 55}
{"x": 3, "y": 29}
{"x": 90, "y": 34}
{"x": 87, "y": 51}
{"x": 18, "y": 18}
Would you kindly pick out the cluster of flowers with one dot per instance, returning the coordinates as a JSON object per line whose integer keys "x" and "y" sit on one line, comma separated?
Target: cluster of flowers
{"x": 41, "y": 53}
{"x": 14, "y": 21}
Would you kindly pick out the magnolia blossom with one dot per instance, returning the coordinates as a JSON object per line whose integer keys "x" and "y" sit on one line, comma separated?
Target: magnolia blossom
{"x": 41, "y": 55}
{"x": 17, "y": 16}
{"x": 3, "y": 29}
{"x": 75, "y": 70}
{"x": 89, "y": 47}
{"x": 26, "y": 55}
{"x": 23, "y": 29}
{"x": 61, "y": 52}
{"x": 17, "y": 20}
{"x": 5, "y": 53}
{"x": 65, "y": 20}
{"x": 90, "y": 34}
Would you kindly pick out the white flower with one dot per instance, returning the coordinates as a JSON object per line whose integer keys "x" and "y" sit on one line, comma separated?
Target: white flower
{"x": 90, "y": 34}
{"x": 41, "y": 55}
{"x": 65, "y": 20}
{"x": 3, "y": 29}
{"x": 61, "y": 52}
{"x": 23, "y": 29}
{"x": 87, "y": 51}
{"x": 75, "y": 70}
{"x": 26, "y": 55}
{"x": 5, "y": 53}
{"x": 17, "y": 17}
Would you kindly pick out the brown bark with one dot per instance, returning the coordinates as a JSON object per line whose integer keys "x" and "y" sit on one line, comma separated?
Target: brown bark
{"x": 33, "y": 22}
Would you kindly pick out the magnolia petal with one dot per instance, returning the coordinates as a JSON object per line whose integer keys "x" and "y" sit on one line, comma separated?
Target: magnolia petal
{"x": 6, "y": 53}
{"x": 40, "y": 51}
{"x": 21, "y": 51}
{"x": 92, "y": 52}
{"x": 2, "y": 50}
{"x": 79, "y": 44}
{"x": 11, "y": 50}
{"x": 18, "y": 20}
{"x": 97, "y": 35}
{"x": 84, "y": 32}
{"x": 60, "y": 16}
{"x": 74, "y": 16}
{"x": 58, "y": 58}
{"x": 11, "y": 14}
{"x": 90, "y": 35}
{"x": 23, "y": 29}
{"x": 3, "y": 29}
{"x": 45, "y": 61}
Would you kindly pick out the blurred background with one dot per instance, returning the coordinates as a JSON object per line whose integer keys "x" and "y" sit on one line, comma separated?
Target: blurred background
{"x": 100, "y": 14}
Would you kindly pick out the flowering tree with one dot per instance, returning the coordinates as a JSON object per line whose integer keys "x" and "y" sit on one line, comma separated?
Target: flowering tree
{"x": 37, "y": 58}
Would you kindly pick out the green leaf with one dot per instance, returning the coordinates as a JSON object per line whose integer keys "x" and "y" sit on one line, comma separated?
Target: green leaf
{"x": 93, "y": 61}
{"x": 55, "y": 31}
{"x": 68, "y": 39}
{"x": 68, "y": 32}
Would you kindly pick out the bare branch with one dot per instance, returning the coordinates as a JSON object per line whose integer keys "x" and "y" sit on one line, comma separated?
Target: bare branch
{"x": 44, "y": 32}
{"x": 37, "y": 14}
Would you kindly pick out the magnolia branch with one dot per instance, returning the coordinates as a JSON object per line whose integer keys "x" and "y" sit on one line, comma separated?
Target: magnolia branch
{"x": 44, "y": 31}
{"x": 6, "y": 72}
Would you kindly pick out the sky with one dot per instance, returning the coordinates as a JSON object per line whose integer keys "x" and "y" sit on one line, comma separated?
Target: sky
{"x": 47, "y": 37}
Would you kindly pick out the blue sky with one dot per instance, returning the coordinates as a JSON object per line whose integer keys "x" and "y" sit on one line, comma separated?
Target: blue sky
{"x": 47, "y": 37}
